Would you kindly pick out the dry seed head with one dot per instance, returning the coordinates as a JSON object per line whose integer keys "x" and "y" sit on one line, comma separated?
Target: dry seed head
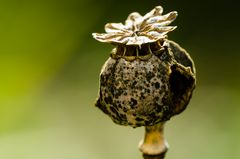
{"x": 148, "y": 78}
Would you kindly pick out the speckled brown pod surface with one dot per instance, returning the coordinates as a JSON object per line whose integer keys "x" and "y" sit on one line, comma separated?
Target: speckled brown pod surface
{"x": 148, "y": 78}
{"x": 145, "y": 92}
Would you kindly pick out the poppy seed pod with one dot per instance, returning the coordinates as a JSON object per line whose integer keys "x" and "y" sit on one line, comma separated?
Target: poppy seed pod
{"x": 148, "y": 78}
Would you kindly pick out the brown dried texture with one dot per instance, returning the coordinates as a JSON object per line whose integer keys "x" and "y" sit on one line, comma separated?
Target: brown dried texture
{"x": 144, "y": 93}
{"x": 154, "y": 142}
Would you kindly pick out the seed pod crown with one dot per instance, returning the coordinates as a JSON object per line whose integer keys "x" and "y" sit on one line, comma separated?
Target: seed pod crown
{"x": 138, "y": 29}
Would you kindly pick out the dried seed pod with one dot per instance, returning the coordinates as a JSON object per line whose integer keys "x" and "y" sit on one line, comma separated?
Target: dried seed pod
{"x": 148, "y": 78}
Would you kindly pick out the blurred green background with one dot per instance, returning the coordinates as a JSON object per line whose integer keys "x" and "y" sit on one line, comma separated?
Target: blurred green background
{"x": 49, "y": 66}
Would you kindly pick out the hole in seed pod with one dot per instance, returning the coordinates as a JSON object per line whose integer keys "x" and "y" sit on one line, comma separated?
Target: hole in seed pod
{"x": 154, "y": 46}
{"x": 180, "y": 84}
{"x": 181, "y": 55}
{"x": 144, "y": 50}
{"x": 120, "y": 50}
{"x": 131, "y": 51}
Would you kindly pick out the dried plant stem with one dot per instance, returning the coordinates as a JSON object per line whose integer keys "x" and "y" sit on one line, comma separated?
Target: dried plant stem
{"x": 154, "y": 146}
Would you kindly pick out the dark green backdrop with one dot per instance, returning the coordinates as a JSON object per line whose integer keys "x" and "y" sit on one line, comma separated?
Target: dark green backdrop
{"x": 49, "y": 66}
